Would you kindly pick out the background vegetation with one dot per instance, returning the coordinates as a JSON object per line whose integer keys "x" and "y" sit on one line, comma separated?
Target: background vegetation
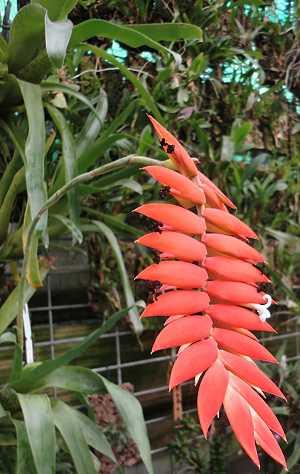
{"x": 228, "y": 87}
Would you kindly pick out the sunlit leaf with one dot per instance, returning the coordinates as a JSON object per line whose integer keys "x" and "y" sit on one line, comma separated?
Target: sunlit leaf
{"x": 169, "y": 31}
{"x": 108, "y": 29}
{"x": 57, "y": 36}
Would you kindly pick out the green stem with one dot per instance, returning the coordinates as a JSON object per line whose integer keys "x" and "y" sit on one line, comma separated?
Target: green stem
{"x": 88, "y": 176}
{"x": 17, "y": 186}
{"x": 13, "y": 166}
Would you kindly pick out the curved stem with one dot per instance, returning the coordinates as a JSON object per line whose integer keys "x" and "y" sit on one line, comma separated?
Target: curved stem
{"x": 88, "y": 176}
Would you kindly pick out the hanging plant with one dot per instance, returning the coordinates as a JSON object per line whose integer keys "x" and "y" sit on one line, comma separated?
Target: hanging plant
{"x": 208, "y": 285}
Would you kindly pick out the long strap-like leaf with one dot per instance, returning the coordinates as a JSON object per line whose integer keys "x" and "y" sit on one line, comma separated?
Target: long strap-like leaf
{"x": 35, "y": 151}
{"x": 69, "y": 161}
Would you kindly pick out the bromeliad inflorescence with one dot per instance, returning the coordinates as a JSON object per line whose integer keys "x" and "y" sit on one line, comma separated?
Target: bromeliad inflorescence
{"x": 209, "y": 292}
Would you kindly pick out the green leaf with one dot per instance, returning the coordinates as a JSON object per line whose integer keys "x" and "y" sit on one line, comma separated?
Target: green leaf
{"x": 239, "y": 134}
{"x": 3, "y": 50}
{"x": 121, "y": 118}
{"x": 31, "y": 376}
{"x": 108, "y": 29}
{"x": 2, "y": 411}
{"x": 17, "y": 185}
{"x": 27, "y": 36}
{"x": 8, "y": 338}
{"x": 70, "y": 166}
{"x": 295, "y": 456}
{"x": 169, "y": 31}
{"x": 73, "y": 378}
{"x": 25, "y": 463}
{"x": 35, "y": 152}
{"x": 93, "y": 435}
{"x": 70, "y": 225}
{"x": 57, "y": 87}
{"x": 10, "y": 170}
{"x": 57, "y": 36}
{"x": 70, "y": 430}
{"x": 57, "y": 9}
{"x": 114, "y": 222}
{"x": 198, "y": 65}
{"x": 9, "y": 309}
{"x": 16, "y": 363}
{"x": 132, "y": 414}
{"x": 40, "y": 431}
{"x": 130, "y": 301}
{"x": 33, "y": 274}
{"x": 96, "y": 151}
{"x": 92, "y": 126}
{"x": 145, "y": 95}
{"x": 16, "y": 137}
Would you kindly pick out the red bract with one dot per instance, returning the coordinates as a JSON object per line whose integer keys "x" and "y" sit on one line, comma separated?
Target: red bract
{"x": 207, "y": 286}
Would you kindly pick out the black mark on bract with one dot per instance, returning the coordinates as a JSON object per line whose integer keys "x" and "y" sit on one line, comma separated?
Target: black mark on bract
{"x": 164, "y": 192}
{"x": 170, "y": 148}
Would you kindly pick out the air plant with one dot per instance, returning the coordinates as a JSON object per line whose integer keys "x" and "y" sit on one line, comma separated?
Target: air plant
{"x": 209, "y": 286}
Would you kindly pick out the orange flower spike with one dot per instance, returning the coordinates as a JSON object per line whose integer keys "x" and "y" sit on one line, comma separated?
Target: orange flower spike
{"x": 180, "y": 186}
{"x": 237, "y": 316}
{"x": 215, "y": 188}
{"x": 179, "y": 274}
{"x": 240, "y": 419}
{"x": 207, "y": 250}
{"x": 182, "y": 331}
{"x": 176, "y": 218}
{"x": 235, "y": 342}
{"x": 234, "y": 292}
{"x": 231, "y": 246}
{"x": 222, "y": 222}
{"x": 266, "y": 440}
{"x": 175, "y": 244}
{"x": 177, "y": 302}
{"x": 174, "y": 149}
{"x": 193, "y": 360}
{"x": 211, "y": 394}
{"x": 250, "y": 373}
{"x": 258, "y": 405}
{"x": 228, "y": 268}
